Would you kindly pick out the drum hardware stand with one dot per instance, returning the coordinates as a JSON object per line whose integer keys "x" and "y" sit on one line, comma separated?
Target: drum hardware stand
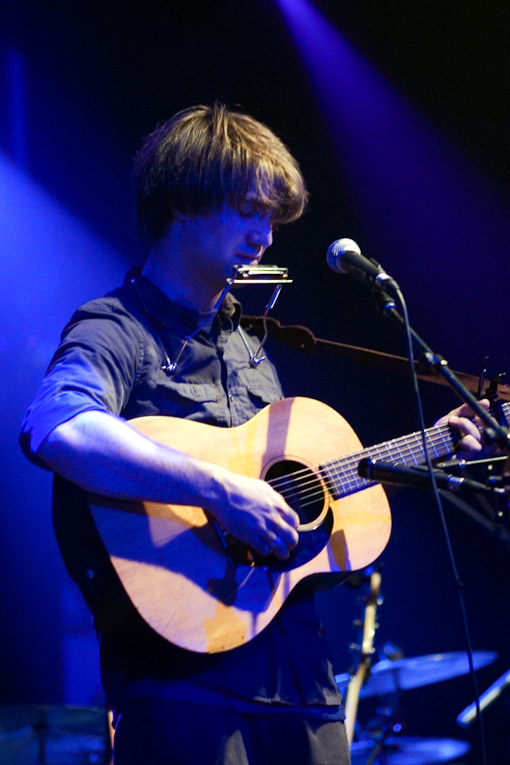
{"x": 366, "y": 650}
{"x": 468, "y": 714}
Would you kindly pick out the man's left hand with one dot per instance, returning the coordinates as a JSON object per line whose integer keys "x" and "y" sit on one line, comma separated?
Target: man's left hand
{"x": 470, "y": 427}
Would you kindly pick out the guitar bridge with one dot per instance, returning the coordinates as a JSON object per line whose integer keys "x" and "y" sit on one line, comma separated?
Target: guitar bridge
{"x": 236, "y": 552}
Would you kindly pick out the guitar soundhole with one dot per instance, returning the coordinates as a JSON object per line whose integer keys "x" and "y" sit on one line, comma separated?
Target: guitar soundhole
{"x": 300, "y": 488}
{"x": 305, "y": 494}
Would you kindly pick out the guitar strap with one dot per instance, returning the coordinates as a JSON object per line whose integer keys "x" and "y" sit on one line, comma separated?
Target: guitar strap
{"x": 302, "y": 339}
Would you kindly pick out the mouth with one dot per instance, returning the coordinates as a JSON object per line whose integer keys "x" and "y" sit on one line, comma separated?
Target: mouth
{"x": 250, "y": 259}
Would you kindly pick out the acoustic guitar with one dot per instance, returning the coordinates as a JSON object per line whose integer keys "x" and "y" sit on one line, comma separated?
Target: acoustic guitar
{"x": 202, "y": 590}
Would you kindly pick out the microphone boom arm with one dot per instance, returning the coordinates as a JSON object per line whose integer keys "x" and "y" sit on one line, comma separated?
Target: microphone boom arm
{"x": 494, "y": 433}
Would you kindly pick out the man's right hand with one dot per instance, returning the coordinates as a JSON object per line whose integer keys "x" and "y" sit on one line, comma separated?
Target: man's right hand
{"x": 255, "y": 514}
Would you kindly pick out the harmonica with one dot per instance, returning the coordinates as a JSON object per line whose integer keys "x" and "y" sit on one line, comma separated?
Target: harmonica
{"x": 259, "y": 275}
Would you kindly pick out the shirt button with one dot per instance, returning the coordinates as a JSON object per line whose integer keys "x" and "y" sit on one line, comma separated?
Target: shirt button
{"x": 230, "y": 396}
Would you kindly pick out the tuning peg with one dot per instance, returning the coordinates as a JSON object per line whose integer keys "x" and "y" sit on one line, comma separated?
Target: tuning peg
{"x": 481, "y": 381}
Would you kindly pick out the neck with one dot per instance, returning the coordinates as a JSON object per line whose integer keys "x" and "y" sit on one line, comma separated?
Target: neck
{"x": 172, "y": 272}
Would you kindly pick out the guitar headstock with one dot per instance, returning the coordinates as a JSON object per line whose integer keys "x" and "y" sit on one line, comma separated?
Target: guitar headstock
{"x": 496, "y": 389}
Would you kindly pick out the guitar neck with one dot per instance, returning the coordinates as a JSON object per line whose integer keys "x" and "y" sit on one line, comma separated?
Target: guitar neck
{"x": 342, "y": 476}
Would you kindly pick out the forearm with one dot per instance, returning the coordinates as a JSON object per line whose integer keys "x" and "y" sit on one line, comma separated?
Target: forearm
{"x": 105, "y": 455}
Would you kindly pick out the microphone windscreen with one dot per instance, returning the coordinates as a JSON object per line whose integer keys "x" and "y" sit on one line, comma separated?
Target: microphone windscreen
{"x": 336, "y": 251}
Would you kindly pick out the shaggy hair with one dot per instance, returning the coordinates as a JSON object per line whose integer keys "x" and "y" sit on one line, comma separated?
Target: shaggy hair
{"x": 207, "y": 156}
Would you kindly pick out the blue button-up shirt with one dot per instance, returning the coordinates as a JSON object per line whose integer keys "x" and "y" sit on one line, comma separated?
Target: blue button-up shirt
{"x": 114, "y": 356}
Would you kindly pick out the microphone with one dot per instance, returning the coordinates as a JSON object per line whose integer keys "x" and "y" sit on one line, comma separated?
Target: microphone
{"x": 344, "y": 256}
{"x": 419, "y": 477}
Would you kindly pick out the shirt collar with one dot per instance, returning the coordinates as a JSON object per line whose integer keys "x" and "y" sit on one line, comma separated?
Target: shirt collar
{"x": 170, "y": 314}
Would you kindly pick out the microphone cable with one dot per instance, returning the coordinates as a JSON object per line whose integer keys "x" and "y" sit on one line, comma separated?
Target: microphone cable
{"x": 451, "y": 556}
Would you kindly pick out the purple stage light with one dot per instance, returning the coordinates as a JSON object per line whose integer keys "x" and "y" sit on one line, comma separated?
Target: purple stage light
{"x": 440, "y": 222}
{"x": 15, "y": 68}
{"x": 51, "y": 262}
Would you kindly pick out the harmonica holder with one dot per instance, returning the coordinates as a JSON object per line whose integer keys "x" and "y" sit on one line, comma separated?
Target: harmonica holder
{"x": 258, "y": 275}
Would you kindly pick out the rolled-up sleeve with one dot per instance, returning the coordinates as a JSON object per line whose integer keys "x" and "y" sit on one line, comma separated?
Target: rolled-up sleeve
{"x": 94, "y": 368}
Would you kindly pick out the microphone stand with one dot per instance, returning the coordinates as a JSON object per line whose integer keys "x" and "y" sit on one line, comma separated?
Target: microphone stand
{"x": 494, "y": 433}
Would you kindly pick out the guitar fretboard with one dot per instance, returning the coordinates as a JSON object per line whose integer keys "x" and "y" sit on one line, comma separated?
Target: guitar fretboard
{"x": 341, "y": 475}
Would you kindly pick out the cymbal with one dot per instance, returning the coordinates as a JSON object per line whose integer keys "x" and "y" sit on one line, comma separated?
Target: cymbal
{"x": 389, "y": 676}
{"x": 24, "y": 747}
{"x": 56, "y": 734}
{"x": 409, "y": 751}
{"x": 57, "y": 717}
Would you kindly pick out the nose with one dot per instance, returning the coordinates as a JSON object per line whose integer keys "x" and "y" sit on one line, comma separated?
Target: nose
{"x": 261, "y": 233}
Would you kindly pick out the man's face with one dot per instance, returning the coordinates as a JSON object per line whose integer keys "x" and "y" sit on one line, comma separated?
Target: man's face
{"x": 218, "y": 241}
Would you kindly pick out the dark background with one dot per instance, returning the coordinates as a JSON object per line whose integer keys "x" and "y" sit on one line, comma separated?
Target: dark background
{"x": 81, "y": 83}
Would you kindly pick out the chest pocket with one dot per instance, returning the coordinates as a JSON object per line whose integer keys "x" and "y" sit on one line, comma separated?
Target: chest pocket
{"x": 261, "y": 381}
{"x": 252, "y": 390}
{"x": 262, "y": 391}
{"x": 196, "y": 401}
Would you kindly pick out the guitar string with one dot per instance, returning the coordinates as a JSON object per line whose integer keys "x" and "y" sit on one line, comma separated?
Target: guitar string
{"x": 349, "y": 486}
{"x": 346, "y": 472}
{"x": 302, "y": 479}
{"x": 389, "y": 448}
{"x": 351, "y": 482}
{"x": 439, "y": 435}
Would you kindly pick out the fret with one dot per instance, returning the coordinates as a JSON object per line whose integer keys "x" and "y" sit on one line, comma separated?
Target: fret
{"x": 342, "y": 477}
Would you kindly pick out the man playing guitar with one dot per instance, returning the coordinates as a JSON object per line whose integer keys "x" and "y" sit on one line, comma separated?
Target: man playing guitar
{"x": 211, "y": 186}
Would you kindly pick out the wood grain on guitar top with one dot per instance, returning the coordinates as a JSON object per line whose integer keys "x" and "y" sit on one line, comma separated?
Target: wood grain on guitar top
{"x": 172, "y": 561}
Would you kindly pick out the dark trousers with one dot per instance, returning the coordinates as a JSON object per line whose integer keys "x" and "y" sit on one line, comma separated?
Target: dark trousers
{"x": 164, "y": 732}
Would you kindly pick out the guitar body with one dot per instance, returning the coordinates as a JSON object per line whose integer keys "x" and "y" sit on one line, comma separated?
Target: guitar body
{"x": 173, "y": 560}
